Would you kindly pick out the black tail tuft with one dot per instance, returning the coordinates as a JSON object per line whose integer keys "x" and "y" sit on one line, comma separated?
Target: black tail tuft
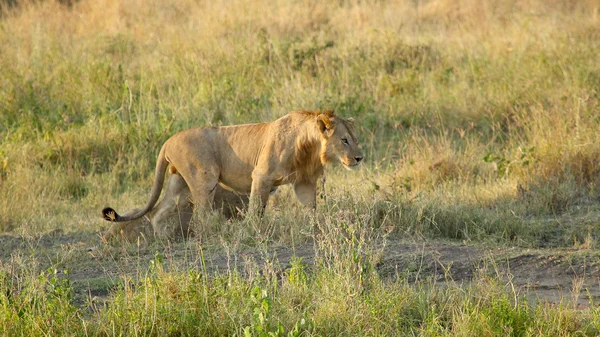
{"x": 110, "y": 214}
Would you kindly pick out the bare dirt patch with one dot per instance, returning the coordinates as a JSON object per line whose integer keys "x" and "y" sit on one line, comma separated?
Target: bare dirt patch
{"x": 542, "y": 274}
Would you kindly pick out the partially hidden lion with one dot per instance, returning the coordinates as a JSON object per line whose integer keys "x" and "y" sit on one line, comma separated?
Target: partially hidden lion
{"x": 172, "y": 215}
{"x": 249, "y": 159}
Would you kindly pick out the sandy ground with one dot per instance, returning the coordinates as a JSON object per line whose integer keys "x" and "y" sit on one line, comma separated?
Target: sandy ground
{"x": 540, "y": 274}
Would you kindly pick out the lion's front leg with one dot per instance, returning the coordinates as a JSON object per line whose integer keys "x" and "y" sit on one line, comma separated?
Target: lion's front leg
{"x": 259, "y": 194}
{"x": 306, "y": 192}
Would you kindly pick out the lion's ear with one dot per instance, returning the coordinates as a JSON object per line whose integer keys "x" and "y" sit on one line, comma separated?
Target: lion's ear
{"x": 328, "y": 113}
{"x": 351, "y": 120}
{"x": 323, "y": 123}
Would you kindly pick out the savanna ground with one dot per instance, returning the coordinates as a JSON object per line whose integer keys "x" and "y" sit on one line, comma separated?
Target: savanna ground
{"x": 476, "y": 212}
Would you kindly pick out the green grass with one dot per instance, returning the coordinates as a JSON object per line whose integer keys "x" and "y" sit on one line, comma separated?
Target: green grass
{"x": 341, "y": 294}
{"x": 479, "y": 121}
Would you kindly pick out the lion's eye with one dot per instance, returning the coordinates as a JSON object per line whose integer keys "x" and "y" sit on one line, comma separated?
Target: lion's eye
{"x": 345, "y": 141}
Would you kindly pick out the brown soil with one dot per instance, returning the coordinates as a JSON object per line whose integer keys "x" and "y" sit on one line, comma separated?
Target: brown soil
{"x": 543, "y": 275}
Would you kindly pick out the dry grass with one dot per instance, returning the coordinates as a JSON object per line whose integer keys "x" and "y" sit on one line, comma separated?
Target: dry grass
{"x": 479, "y": 120}
{"x": 465, "y": 103}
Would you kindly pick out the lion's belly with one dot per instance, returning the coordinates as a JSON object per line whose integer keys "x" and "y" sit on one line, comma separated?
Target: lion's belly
{"x": 238, "y": 183}
{"x": 242, "y": 183}
{"x": 235, "y": 171}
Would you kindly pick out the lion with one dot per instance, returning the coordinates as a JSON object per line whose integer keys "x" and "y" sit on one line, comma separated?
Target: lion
{"x": 252, "y": 159}
{"x": 172, "y": 215}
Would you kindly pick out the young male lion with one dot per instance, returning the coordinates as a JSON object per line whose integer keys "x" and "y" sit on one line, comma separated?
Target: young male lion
{"x": 253, "y": 159}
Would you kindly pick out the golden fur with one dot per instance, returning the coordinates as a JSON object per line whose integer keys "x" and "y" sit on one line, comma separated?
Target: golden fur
{"x": 172, "y": 215}
{"x": 254, "y": 159}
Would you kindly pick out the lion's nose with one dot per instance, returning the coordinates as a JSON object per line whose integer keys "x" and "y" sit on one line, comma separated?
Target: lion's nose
{"x": 358, "y": 159}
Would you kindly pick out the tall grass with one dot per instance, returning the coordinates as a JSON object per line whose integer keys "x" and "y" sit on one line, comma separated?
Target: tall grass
{"x": 479, "y": 120}
{"x": 340, "y": 295}
{"x": 500, "y": 96}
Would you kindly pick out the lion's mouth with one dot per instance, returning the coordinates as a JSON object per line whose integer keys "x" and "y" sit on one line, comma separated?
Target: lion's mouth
{"x": 351, "y": 166}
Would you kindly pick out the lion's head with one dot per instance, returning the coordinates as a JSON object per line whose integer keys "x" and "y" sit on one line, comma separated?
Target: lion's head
{"x": 339, "y": 140}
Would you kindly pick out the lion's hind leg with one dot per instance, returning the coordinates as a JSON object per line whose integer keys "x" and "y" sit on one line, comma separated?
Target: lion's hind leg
{"x": 173, "y": 213}
{"x": 203, "y": 181}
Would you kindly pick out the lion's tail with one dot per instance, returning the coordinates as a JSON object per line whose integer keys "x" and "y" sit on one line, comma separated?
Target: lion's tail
{"x": 110, "y": 214}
